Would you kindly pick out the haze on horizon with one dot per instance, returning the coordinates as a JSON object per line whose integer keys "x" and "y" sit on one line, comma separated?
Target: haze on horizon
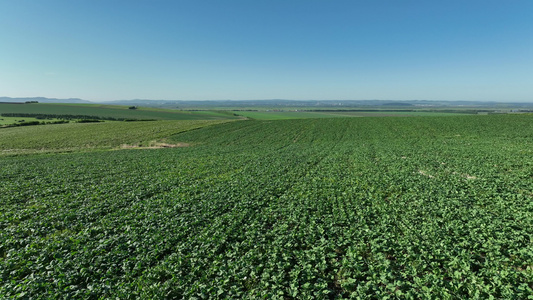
{"x": 235, "y": 49}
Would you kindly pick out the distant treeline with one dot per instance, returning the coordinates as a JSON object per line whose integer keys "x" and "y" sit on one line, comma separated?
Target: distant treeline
{"x": 31, "y": 123}
{"x": 68, "y": 117}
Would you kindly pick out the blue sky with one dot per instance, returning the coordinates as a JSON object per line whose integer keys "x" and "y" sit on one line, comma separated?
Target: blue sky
{"x": 259, "y": 49}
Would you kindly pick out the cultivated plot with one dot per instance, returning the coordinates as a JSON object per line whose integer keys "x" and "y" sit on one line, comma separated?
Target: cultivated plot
{"x": 410, "y": 208}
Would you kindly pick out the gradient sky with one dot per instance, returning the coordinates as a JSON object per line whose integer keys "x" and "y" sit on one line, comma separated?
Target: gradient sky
{"x": 267, "y": 49}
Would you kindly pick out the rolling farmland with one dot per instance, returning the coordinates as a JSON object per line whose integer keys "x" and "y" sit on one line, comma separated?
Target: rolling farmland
{"x": 332, "y": 208}
{"x": 111, "y": 111}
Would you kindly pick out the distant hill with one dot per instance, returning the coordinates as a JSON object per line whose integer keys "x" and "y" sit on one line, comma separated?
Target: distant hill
{"x": 43, "y": 100}
{"x": 283, "y": 103}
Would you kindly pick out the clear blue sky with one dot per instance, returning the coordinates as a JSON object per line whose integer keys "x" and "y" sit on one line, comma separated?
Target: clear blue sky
{"x": 265, "y": 49}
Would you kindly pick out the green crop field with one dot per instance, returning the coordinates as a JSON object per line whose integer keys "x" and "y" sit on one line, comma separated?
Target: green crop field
{"x": 331, "y": 208}
{"x": 92, "y": 136}
{"x": 112, "y": 111}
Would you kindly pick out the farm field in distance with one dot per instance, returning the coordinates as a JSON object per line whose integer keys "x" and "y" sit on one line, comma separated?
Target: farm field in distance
{"x": 93, "y": 136}
{"x": 111, "y": 111}
{"x": 436, "y": 207}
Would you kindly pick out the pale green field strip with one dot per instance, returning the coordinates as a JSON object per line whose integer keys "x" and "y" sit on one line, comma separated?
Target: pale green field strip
{"x": 391, "y": 114}
{"x": 86, "y": 136}
{"x": 284, "y": 115}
